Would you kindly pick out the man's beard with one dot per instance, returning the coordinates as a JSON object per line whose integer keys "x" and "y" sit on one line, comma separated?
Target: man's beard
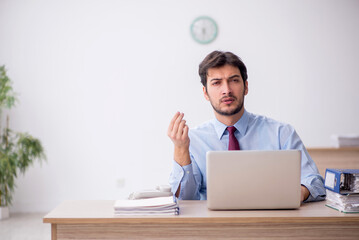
{"x": 229, "y": 113}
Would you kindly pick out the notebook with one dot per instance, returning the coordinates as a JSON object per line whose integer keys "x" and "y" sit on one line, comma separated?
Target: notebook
{"x": 253, "y": 179}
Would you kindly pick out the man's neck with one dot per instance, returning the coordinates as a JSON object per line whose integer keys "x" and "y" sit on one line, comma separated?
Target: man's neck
{"x": 229, "y": 120}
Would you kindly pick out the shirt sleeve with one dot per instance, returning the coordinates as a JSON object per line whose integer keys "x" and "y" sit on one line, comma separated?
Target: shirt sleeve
{"x": 189, "y": 177}
{"x": 310, "y": 176}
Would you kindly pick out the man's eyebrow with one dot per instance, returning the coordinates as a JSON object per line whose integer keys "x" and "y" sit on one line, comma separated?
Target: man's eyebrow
{"x": 234, "y": 76}
{"x": 231, "y": 77}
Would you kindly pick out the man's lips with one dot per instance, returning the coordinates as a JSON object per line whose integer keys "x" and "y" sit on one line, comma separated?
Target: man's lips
{"x": 227, "y": 100}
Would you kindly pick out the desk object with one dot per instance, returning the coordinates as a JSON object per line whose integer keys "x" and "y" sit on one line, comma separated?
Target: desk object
{"x": 342, "y": 189}
{"x": 343, "y": 181}
{"x": 148, "y": 206}
{"x": 96, "y": 220}
{"x": 349, "y": 140}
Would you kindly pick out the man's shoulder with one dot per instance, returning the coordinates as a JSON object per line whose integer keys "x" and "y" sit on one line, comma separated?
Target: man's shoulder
{"x": 271, "y": 128}
{"x": 261, "y": 120}
{"x": 205, "y": 126}
{"x": 203, "y": 137}
{"x": 203, "y": 131}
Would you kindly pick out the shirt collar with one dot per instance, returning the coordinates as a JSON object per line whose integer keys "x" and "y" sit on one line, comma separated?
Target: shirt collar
{"x": 241, "y": 125}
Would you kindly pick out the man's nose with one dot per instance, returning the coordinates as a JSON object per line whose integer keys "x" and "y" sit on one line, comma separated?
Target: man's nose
{"x": 226, "y": 88}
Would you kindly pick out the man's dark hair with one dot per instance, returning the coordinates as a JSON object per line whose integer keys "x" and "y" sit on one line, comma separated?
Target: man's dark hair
{"x": 218, "y": 59}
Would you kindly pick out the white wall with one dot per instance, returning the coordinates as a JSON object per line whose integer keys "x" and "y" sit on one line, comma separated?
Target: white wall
{"x": 96, "y": 77}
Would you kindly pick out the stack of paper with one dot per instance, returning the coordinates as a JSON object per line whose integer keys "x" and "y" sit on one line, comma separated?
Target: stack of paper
{"x": 354, "y": 182}
{"x": 347, "y": 203}
{"x": 342, "y": 189}
{"x": 349, "y": 140}
{"x": 149, "y": 206}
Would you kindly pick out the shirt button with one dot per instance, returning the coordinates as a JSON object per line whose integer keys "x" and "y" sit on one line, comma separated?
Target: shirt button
{"x": 187, "y": 172}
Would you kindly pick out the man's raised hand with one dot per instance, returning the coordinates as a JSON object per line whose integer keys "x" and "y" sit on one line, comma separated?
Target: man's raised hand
{"x": 178, "y": 133}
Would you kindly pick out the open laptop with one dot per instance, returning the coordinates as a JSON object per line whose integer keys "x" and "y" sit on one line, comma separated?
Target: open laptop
{"x": 253, "y": 179}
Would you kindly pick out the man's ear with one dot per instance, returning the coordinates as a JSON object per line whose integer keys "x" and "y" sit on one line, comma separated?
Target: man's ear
{"x": 205, "y": 93}
{"x": 245, "y": 87}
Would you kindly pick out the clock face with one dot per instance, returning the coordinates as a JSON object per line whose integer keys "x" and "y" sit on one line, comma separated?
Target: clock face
{"x": 204, "y": 30}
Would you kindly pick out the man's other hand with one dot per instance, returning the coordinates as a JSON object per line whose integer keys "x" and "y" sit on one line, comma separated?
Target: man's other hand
{"x": 304, "y": 193}
{"x": 178, "y": 133}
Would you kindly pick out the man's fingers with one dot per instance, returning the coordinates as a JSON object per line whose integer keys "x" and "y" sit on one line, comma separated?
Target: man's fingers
{"x": 180, "y": 129}
{"x": 185, "y": 131}
{"x": 170, "y": 127}
{"x": 176, "y": 125}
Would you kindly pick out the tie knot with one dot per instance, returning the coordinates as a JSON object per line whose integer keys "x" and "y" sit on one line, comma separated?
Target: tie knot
{"x": 231, "y": 129}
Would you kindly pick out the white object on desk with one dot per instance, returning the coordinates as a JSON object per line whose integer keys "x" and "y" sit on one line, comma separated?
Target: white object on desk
{"x": 149, "y": 206}
{"x": 348, "y": 140}
{"x": 160, "y": 191}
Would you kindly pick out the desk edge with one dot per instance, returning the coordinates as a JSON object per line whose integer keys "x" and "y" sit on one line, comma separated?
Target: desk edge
{"x": 217, "y": 220}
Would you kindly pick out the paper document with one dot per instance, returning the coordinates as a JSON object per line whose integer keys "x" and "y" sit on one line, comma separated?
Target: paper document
{"x": 347, "y": 203}
{"x": 148, "y": 206}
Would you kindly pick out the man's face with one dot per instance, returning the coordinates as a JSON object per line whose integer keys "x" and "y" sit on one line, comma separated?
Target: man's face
{"x": 225, "y": 90}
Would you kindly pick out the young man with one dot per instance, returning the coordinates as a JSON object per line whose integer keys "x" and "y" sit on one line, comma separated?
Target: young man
{"x": 224, "y": 79}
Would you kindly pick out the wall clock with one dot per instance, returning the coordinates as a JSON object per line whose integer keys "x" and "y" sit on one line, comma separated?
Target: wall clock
{"x": 204, "y": 30}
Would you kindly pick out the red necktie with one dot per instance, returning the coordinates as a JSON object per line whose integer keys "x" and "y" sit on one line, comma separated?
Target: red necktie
{"x": 233, "y": 142}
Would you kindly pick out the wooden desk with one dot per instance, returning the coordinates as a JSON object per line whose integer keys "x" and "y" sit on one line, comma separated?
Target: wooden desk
{"x": 335, "y": 158}
{"x": 95, "y": 220}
